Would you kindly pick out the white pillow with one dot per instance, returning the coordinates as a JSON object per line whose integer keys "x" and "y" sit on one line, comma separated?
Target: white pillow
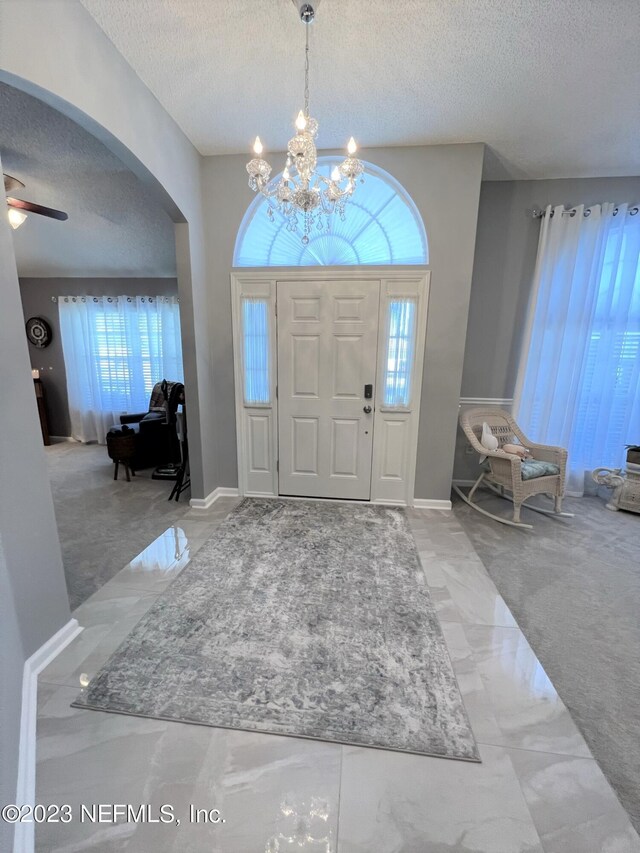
{"x": 488, "y": 439}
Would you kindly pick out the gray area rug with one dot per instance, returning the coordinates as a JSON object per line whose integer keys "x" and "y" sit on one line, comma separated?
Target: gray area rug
{"x": 300, "y": 618}
{"x": 103, "y": 523}
{"x": 574, "y": 587}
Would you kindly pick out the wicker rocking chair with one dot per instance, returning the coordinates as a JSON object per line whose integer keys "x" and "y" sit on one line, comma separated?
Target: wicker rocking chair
{"x": 504, "y": 471}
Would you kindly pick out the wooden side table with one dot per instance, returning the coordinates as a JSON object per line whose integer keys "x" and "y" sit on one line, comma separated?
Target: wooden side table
{"x": 42, "y": 411}
{"x": 122, "y": 448}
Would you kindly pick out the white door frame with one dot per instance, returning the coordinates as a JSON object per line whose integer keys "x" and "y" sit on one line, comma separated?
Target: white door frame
{"x": 395, "y": 430}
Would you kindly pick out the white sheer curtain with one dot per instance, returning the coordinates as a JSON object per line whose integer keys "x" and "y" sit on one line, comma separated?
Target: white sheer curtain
{"x": 115, "y": 350}
{"x": 401, "y": 339}
{"x": 255, "y": 330}
{"x": 579, "y": 377}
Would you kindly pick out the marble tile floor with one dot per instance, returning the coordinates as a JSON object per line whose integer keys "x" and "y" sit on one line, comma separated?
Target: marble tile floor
{"x": 537, "y": 789}
{"x": 103, "y": 523}
{"x": 573, "y": 584}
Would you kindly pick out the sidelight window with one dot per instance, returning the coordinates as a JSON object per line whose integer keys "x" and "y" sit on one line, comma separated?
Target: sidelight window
{"x": 255, "y": 332}
{"x": 401, "y": 338}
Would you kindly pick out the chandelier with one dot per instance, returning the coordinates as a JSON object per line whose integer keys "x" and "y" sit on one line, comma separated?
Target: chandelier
{"x": 301, "y": 193}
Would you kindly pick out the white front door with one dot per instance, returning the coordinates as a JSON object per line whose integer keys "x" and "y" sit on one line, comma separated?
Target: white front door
{"x": 327, "y": 351}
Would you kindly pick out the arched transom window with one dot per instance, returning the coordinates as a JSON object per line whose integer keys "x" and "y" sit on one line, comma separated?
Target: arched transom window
{"x": 381, "y": 226}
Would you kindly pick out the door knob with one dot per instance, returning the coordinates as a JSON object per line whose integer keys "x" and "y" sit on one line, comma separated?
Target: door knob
{"x": 367, "y": 410}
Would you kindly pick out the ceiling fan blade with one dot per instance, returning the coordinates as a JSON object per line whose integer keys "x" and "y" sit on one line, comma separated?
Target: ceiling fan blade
{"x": 11, "y": 183}
{"x": 31, "y": 207}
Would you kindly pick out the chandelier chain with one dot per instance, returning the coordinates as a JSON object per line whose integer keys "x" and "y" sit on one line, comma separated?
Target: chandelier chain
{"x": 306, "y": 73}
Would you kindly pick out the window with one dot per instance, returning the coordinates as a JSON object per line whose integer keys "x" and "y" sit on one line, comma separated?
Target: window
{"x": 115, "y": 350}
{"x": 382, "y": 226}
{"x": 255, "y": 333}
{"x": 400, "y": 347}
{"x": 613, "y": 355}
{"x": 579, "y": 380}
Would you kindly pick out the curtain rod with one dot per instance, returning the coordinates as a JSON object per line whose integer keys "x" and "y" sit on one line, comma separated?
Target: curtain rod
{"x": 84, "y": 298}
{"x": 540, "y": 212}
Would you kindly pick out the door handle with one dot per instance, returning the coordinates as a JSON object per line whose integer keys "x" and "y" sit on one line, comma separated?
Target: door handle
{"x": 367, "y": 410}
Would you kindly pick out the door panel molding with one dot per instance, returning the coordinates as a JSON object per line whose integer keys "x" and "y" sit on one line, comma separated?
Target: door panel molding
{"x": 344, "y": 447}
{"x": 304, "y": 446}
{"x": 305, "y": 358}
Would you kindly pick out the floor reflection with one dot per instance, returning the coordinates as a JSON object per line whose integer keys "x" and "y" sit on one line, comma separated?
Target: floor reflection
{"x": 302, "y": 825}
{"x": 169, "y": 551}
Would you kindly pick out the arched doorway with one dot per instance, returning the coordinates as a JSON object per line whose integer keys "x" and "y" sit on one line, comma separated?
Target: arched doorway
{"x": 328, "y": 358}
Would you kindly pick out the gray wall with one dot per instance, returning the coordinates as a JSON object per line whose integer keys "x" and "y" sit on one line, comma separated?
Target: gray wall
{"x": 444, "y": 182}
{"x": 506, "y": 246}
{"x": 81, "y": 74}
{"x": 33, "y": 595}
{"x": 36, "y": 296}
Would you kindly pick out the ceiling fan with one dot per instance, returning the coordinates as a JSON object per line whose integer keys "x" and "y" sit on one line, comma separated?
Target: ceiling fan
{"x": 18, "y": 208}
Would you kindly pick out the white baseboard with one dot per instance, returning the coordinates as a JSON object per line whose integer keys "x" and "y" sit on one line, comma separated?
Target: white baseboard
{"x": 220, "y": 492}
{"x": 503, "y": 402}
{"x": 26, "y": 789}
{"x": 431, "y": 503}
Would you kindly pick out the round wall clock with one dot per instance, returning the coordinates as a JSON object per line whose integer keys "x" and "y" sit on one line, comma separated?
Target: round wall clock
{"x": 38, "y": 332}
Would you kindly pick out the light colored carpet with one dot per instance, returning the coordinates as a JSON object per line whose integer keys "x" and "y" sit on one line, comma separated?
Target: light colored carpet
{"x": 303, "y": 618}
{"x": 103, "y": 524}
{"x": 574, "y": 587}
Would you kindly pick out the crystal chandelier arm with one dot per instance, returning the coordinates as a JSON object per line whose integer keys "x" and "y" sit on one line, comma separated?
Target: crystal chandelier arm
{"x": 334, "y": 186}
{"x": 269, "y": 189}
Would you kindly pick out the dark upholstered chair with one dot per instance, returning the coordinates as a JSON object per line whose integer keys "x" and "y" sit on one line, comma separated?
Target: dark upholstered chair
{"x": 156, "y": 441}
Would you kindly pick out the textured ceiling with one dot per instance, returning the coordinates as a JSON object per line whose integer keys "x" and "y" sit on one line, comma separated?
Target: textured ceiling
{"x": 114, "y": 228}
{"x": 550, "y": 85}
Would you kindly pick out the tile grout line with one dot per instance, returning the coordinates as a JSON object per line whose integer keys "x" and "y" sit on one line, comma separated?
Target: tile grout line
{"x": 48, "y": 683}
{"x": 543, "y": 752}
{"x": 526, "y": 803}
{"x": 555, "y": 754}
{"x": 339, "y": 798}
{"x": 145, "y": 589}
{"x": 482, "y": 625}
{"x": 91, "y": 602}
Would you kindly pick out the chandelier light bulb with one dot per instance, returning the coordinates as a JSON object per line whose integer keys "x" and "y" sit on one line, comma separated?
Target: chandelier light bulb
{"x": 352, "y": 147}
{"x": 285, "y": 175}
{"x": 16, "y": 217}
{"x": 335, "y": 174}
{"x": 301, "y": 121}
{"x": 257, "y": 146}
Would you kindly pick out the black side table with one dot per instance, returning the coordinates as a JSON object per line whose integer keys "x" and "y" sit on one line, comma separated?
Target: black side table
{"x": 122, "y": 448}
